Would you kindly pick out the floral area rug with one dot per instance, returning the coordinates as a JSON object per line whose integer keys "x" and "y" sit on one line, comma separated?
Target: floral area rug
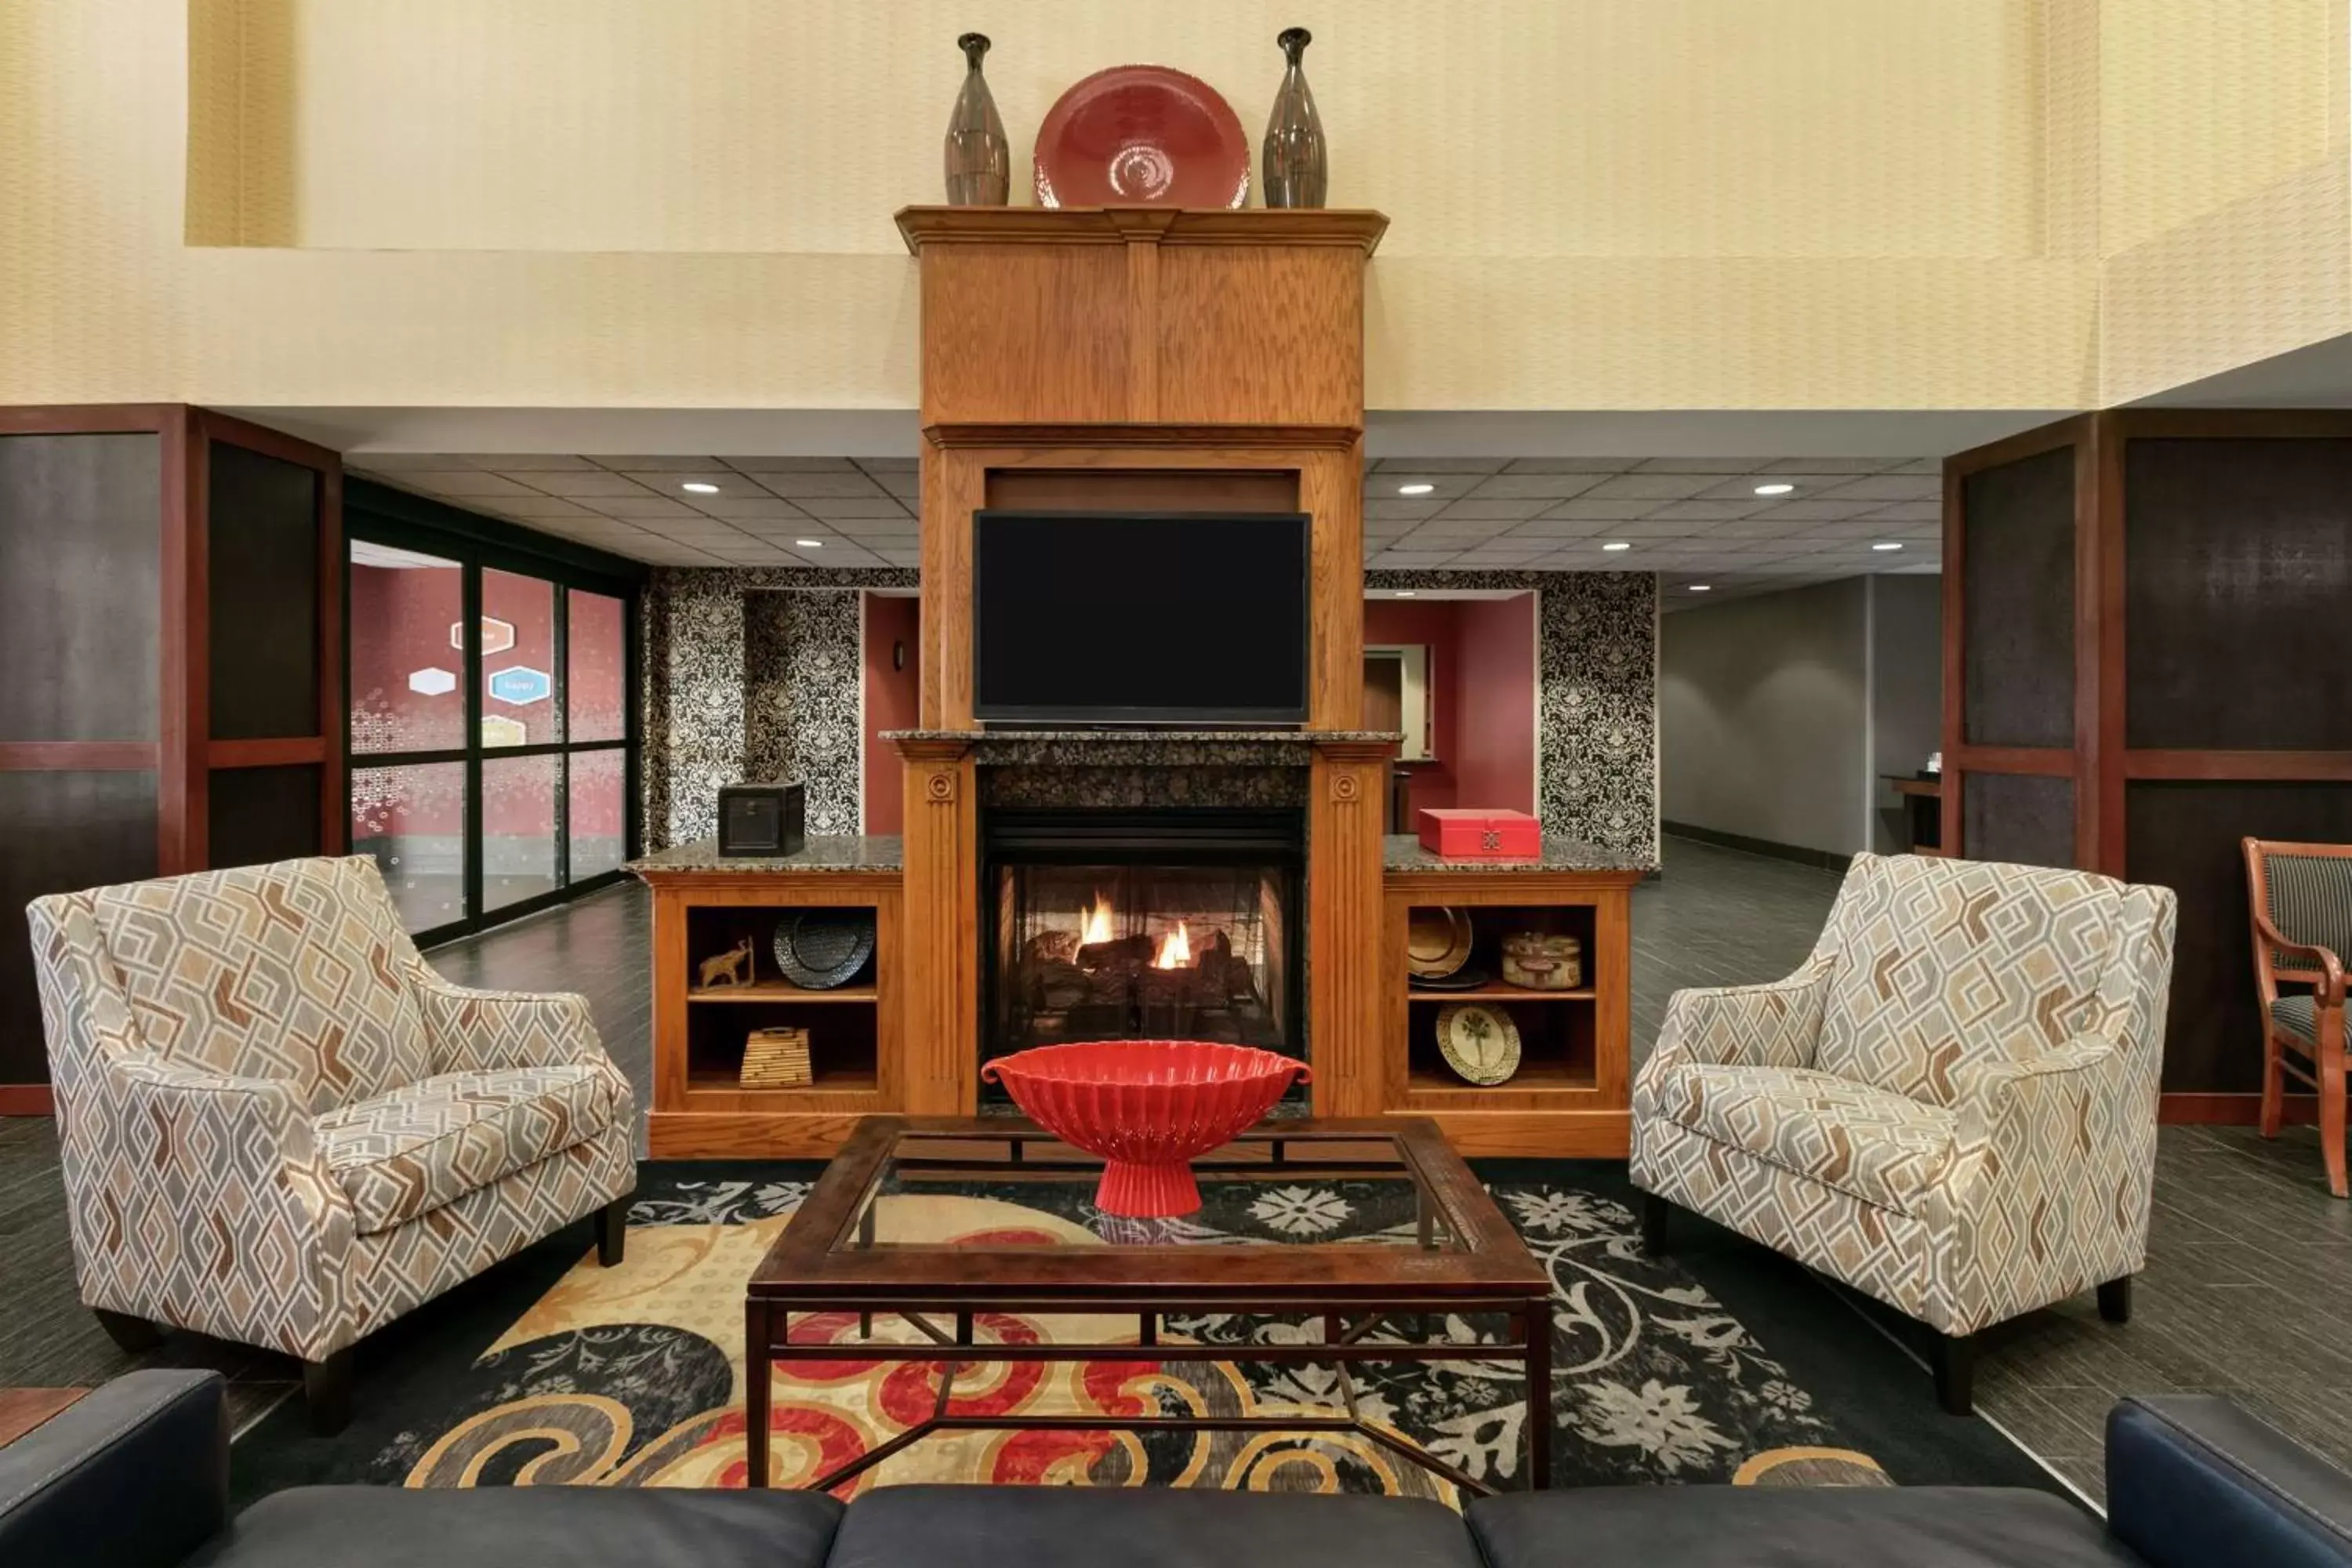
{"x": 1717, "y": 1362}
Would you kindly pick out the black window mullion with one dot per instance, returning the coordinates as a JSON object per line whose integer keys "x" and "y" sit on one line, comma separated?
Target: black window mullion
{"x": 560, "y": 678}
{"x": 476, "y": 808}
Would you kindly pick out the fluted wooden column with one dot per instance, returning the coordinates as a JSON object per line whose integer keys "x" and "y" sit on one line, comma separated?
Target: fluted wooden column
{"x": 1347, "y": 812}
{"x": 939, "y": 952}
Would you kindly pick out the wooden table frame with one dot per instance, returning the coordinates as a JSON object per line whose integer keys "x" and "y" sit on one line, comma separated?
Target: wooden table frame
{"x": 1352, "y": 1288}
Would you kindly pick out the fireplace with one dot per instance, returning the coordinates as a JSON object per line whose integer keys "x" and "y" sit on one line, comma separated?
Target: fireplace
{"x": 1159, "y": 923}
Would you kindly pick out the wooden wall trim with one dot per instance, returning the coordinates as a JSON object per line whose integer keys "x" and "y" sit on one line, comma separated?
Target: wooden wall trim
{"x": 2099, "y": 688}
{"x": 90, "y": 418}
{"x": 76, "y": 756}
{"x": 184, "y": 719}
{"x": 28, "y": 1098}
{"x": 1057, "y": 446}
{"x": 2068, "y": 432}
{"x": 2231, "y": 424}
{"x": 215, "y": 425}
{"x": 2245, "y": 767}
{"x": 1349, "y": 227}
{"x": 1347, "y": 986}
{"x": 2191, "y": 1109}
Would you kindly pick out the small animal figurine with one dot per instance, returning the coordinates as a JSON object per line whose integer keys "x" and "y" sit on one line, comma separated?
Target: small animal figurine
{"x": 732, "y": 967}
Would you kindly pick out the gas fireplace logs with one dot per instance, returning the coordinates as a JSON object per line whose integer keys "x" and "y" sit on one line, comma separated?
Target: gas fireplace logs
{"x": 1181, "y": 970}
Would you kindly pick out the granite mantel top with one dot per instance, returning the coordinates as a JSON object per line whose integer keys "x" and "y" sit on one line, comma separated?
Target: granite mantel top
{"x": 820, "y": 852}
{"x": 1402, "y": 852}
{"x": 1145, "y": 748}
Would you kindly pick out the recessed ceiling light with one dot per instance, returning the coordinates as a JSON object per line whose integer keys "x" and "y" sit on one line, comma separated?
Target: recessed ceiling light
{"x": 1774, "y": 489}
{"x": 1415, "y": 489}
{"x": 809, "y": 544}
{"x": 1404, "y": 592}
{"x": 699, "y": 488}
{"x": 1702, "y": 587}
{"x": 1890, "y": 544}
{"x": 1617, "y": 544}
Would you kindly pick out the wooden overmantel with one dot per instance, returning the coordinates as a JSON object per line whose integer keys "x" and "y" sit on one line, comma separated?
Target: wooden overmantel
{"x": 1179, "y": 360}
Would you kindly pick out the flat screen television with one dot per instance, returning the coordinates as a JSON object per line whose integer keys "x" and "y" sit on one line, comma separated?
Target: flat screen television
{"x": 1102, "y": 617}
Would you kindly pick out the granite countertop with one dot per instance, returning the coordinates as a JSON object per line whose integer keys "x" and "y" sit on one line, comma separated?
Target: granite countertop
{"x": 822, "y": 852}
{"x": 1402, "y": 852}
{"x": 1136, "y": 736}
{"x": 1144, "y": 748}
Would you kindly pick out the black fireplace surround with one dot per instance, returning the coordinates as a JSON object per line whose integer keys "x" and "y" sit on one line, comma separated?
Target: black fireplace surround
{"x": 1172, "y": 922}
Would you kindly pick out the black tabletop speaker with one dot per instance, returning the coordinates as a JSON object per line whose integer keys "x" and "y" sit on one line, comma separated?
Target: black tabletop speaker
{"x": 760, "y": 820}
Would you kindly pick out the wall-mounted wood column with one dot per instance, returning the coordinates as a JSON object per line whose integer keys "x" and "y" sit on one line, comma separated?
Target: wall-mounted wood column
{"x": 2144, "y": 663}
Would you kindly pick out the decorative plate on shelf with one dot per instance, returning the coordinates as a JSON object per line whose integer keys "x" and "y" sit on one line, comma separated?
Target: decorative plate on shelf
{"x": 821, "y": 948}
{"x": 1437, "y": 942}
{"x": 1481, "y": 1044}
{"x": 1141, "y": 136}
{"x": 1468, "y": 978}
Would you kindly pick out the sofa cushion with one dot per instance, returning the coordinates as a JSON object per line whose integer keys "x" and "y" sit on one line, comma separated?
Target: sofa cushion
{"x": 408, "y": 1152}
{"x": 527, "y": 1527}
{"x": 1796, "y": 1527}
{"x": 1884, "y": 1148}
{"x": 1146, "y": 1527}
{"x": 289, "y": 970}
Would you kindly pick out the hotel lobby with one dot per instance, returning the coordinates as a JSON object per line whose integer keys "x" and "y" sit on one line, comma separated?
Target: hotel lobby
{"x": 827, "y": 784}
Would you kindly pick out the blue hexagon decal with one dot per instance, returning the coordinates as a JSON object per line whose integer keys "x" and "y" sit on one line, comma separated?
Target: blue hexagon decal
{"x": 520, "y": 686}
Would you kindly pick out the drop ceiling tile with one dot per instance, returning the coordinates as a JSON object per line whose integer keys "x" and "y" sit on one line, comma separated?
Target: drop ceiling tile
{"x": 1910, "y": 511}
{"x": 464, "y": 484}
{"x": 1542, "y": 487}
{"x": 528, "y": 462}
{"x": 659, "y": 465}
{"x": 1569, "y": 465}
{"x": 543, "y": 508}
{"x": 400, "y": 462}
{"x": 1560, "y": 527}
{"x": 1403, "y": 508}
{"x": 1697, "y": 465}
{"x": 1890, "y": 486}
{"x": 749, "y": 507}
{"x": 851, "y": 508}
{"x": 1586, "y": 508}
{"x": 792, "y": 464}
{"x": 1409, "y": 560}
{"x": 1704, "y": 512}
{"x": 888, "y": 465}
{"x": 1919, "y": 466}
{"x": 1482, "y": 509}
{"x": 674, "y": 481}
{"x": 902, "y": 558}
{"x": 643, "y": 506}
{"x": 1824, "y": 465}
{"x": 1803, "y": 511}
{"x": 1649, "y": 486}
{"x": 589, "y": 482}
{"x": 802, "y": 485}
{"x": 1433, "y": 466}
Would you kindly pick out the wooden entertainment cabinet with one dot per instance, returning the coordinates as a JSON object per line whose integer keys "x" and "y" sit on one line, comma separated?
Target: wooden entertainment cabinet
{"x": 1174, "y": 361}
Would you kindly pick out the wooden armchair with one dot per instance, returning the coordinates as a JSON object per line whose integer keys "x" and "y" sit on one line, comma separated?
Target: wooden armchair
{"x": 2301, "y": 898}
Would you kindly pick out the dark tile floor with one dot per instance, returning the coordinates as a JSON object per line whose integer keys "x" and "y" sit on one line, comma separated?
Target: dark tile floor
{"x": 2248, "y": 1289}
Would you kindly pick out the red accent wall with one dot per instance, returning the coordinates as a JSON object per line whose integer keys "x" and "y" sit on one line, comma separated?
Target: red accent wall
{"x": 892, "y": 703}
{"x": 1436, "y": 623}
{"x": 1495, "y": 703}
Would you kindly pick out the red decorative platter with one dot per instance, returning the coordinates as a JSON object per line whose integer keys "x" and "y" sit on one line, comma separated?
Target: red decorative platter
{"x": 1141, "y": 136}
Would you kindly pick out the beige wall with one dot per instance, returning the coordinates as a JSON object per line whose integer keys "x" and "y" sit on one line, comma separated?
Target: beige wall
{"x": 1597, "y": 203}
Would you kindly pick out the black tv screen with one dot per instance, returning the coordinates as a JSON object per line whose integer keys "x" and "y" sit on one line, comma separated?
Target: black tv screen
{"x": 1140, "y": 618}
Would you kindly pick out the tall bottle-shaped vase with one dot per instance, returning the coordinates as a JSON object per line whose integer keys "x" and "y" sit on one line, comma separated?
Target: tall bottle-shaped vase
{"x": 1295, "y": 168}
{"x": 979, "y": 159}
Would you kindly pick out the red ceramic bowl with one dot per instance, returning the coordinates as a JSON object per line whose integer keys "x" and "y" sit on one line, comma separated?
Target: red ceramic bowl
{"x": 1147, "y": 1108}
{"x": 1141, "y": 136}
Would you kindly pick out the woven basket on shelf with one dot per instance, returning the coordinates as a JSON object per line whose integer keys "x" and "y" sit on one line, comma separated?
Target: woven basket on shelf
{"x": 776, "y": 1059}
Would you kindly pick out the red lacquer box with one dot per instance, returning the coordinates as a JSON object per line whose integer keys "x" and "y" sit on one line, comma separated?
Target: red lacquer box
{"x": 1469, "y": 835}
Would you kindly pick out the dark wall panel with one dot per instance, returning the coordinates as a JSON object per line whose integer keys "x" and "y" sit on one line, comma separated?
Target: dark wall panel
{"x": 259, "y": 814}
{"x": 2237, "y": 576}
{"x": 2185, "y": 836}
{"x": 2027, "y": 820}
{"x": 80, "y": 556}
{"x": 2018, "y": 556}
{"x": 263, "y": 517}
{"x": 59, "y": 832}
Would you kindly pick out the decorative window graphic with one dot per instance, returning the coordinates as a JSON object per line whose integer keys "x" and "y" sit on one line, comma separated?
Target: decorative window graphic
{"x": 520, "y": 686}
{"x": 498, "y": 636}
{"x": 498, "y": 730}
{"x": 432, "y": 682}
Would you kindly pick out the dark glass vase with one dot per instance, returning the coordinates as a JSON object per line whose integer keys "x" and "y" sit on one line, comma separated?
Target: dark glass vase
{"x": 1295, "y": 171}
{"x": 979, "y": 160}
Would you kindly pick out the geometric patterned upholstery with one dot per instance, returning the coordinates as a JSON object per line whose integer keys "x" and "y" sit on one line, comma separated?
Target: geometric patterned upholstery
{"x": 414, "y": 1149}
{"x": 1882, "y": 1147}
{"x": 227, "y": 1050}
{"x": 284, "y": 971}
{"x": 1951, "y": 1106}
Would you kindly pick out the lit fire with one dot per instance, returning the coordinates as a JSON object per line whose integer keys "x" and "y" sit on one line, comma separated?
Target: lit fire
{"x": 1175, "y": 950}
{"x": 1095, "y": 924}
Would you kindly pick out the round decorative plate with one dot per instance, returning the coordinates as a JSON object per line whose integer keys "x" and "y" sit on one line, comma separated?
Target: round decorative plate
{"x": 1141, "y": 136}
{"x": 1479, "y": 1042}
{"x": 821, "y": 948}
{"x": 1437, "y": 942}
{"x": 1469, "y": 977}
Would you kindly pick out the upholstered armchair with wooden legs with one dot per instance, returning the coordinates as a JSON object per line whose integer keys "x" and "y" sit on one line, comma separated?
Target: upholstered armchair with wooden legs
{"x": 280, "y": 1126}
{"x": 2301, "y": 898}
{"x": 1951, "y": 1107}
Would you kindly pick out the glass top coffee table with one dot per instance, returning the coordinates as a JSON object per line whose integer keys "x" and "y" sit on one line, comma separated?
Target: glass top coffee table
{"x": 1357, "y": 1225}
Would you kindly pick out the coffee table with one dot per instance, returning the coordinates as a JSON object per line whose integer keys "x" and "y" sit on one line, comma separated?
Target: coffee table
{"x": 853, "y": 1247}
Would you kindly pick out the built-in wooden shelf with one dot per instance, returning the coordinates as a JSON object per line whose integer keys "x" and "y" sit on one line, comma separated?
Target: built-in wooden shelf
{"x": 823, "y": 1082}
{"x": 1502, "y": 993}
{"x": 1533, "y": 1076}
{"x": 781, "y": 991}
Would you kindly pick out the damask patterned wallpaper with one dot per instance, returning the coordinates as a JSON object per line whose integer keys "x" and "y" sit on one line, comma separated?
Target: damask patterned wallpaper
{"x": 743, "y": 682}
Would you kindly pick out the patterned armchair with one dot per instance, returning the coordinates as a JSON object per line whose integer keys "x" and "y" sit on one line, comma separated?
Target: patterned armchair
{"x": 281, "y": 1127}
{"x": 1951, "y": 1107}
{"x": 2301, "y": 895}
